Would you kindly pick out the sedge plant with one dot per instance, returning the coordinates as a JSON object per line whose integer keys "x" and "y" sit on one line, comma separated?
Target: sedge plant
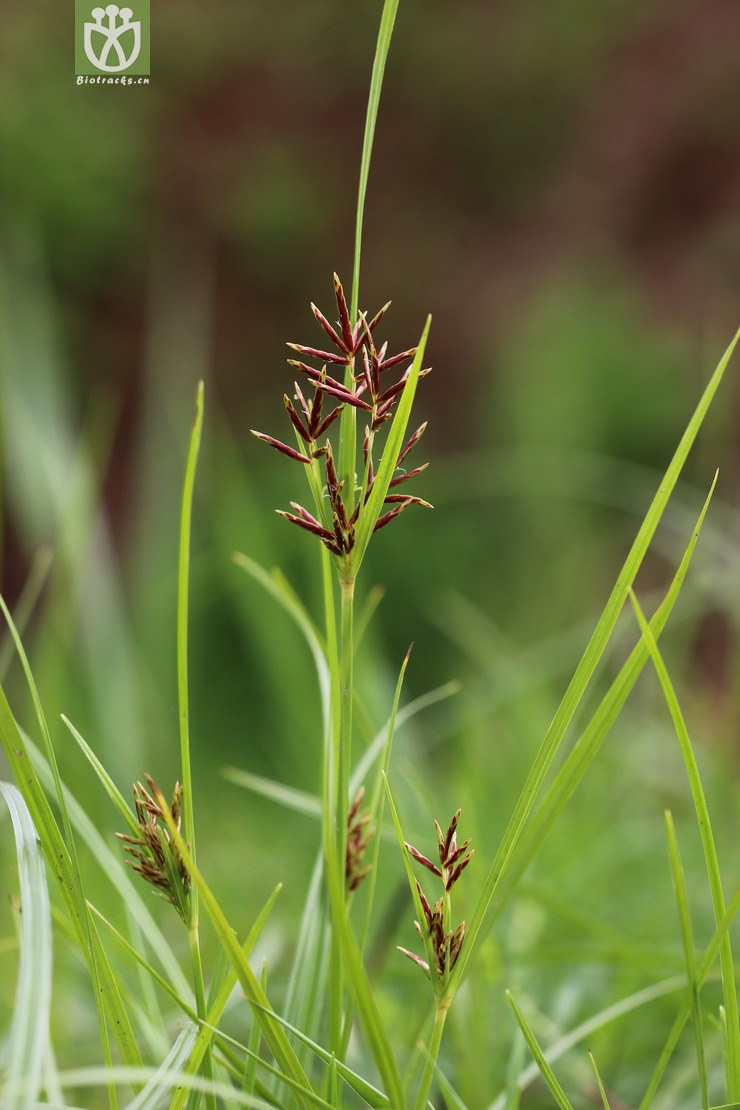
{"x": 352, "y": 438}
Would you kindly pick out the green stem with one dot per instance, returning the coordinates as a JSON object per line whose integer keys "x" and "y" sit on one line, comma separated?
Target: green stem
{"x": 329, "y": 814}
{"x": 336, "y": 780}
{"x": 440, "y": 1016}
{"x": 344, "y": 739}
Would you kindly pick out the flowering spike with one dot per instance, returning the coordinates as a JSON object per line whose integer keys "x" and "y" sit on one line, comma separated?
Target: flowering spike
{"x": 153, "y": 853}
{"x": 445, "y": 943}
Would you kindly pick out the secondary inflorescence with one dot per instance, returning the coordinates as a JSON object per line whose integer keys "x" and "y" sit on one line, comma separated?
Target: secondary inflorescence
{"x": 446, "y": 943}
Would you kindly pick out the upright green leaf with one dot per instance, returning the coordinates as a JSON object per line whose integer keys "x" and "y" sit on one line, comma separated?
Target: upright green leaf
{"x": 729, "y": 988}
{"x": 587, "y": 665}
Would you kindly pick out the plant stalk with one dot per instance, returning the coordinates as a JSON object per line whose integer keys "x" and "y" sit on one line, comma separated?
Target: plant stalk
{"x": 344, "y": 748}
{"x": 440, "y": 1016}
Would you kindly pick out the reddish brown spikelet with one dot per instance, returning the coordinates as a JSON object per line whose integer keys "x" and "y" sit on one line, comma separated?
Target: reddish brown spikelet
{"x": 423, "y": 860}
{"x": 295, "y": 419}
{"x": 403, "y": 356}
{"x": 314, "y": 352}
{"x": 281, "y": 447}
{"x": 328, "y": 328}
{"x": 349, "y": 343}
{"x": 306, "y": 521}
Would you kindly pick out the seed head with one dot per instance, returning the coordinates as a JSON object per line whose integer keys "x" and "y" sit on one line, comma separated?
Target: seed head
{"x": 359, "y": 835}
{"x": 446, "y": 943}
{"x": 154, "y": 855}
{"x": 353, "y": 347}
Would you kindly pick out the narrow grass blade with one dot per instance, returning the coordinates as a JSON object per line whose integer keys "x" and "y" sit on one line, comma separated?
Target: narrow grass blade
{"x": 366, "y": 614}
{"x": 306, "y": 984}
{"x": 121, "y": 1074}
{"x": 710, "y": 953}
{"x": 205, "y": 1033}
{"x": 255, "y": 1036}
{"x": 273, "y": 1033}
{"x": 150, "y": 1097}
{"x": 347, "y": 439}
{"x": 333, "y": 1089}
{"x": 449, "y": 1094}
{"x": 599, "y": 1084}
{"x": 29, "y": 1031}
{"x": 385, "y": 33}
{"x": 299, "y": 801}
{"x": 407, "y": 713}
{"x": 183, "y": 572}
{"x": 107, "y": 782}
{"x": 377, "y": 802}
{"x": 108, "y": 1003}
{"x": 139, "y": 958}
{"x": 279, "y": 589}
{"x": 30, "y": 594}
{"x": 306, "y": 976}
{"x": 687, "y": 940}
{"x": 119, "y": 876}
{"x": 371, "y": 1095}
{"x": 545, "y": 1070}
{"x": 512, "y": 1095}
{"x": 729, "y": 989}
{"x": 183, "y": 700}
{"x": 68, "y": 878}
{"x": 584, "y": 751}
{"x": 374, "y": 506}
{"x": 587, "y": 665}
{"x": 364, "y": 999}
{"x": 586, "y": 1029}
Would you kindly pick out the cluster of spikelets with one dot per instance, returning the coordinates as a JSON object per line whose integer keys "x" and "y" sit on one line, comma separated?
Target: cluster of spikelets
{"x": 154, "y": 854}
{"x": 367, "y": 392}
{"x": 446, "y": 943}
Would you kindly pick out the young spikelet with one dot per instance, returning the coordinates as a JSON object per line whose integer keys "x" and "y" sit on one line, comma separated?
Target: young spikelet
{"x": 154, "y": 856}
{"x": 446, "y": 943}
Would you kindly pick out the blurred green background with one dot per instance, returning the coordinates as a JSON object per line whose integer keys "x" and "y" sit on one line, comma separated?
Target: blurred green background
{"x": 557, "y": 184}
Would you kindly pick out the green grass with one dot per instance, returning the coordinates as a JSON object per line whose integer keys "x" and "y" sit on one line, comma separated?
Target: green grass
{"x": 278, "y": 982}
